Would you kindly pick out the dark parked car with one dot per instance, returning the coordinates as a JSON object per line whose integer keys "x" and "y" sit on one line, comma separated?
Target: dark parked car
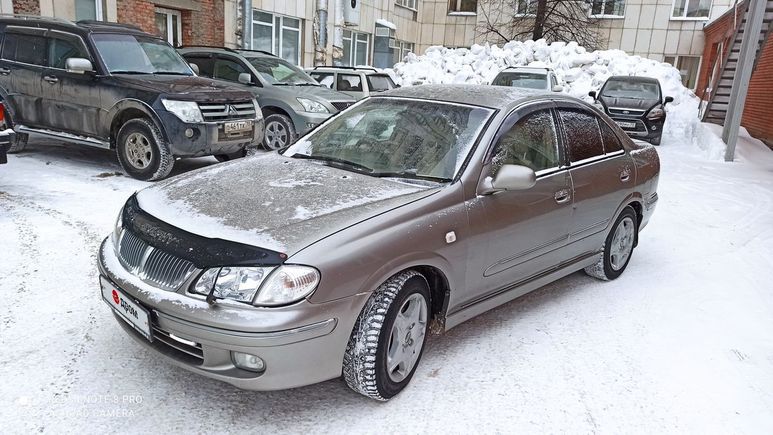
{"x": 6, "y": 136}
{"x": 421, "y": 206}
{"x": 292, "y": 102}
{"x": 636, "y": 104}
{"x": 114, "y": 86}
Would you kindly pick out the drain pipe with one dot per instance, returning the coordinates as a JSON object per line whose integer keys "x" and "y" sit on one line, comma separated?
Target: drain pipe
{"x": 338, "y": 33}
{"x": 320, "y": 36}
{"x": 246, "y": 24}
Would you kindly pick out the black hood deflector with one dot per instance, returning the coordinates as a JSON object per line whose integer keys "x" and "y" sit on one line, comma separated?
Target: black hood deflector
{"x": 202, "y": 251}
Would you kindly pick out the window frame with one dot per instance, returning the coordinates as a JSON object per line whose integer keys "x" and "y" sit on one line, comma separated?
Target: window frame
{"x": 406, "y": 4}
{"x": 526, "y": 14}
{"x": 169, "y": 13}
{"x": 459, "y": 12}
{"x": 565, "y": 140}
{"x": 354, "y": 42}
{"x": 677, "y": 57}
{"x": 683, "y": 17}
{"x": 606, "y": 16}
{"x": 278, "y": 42}
{"x": 99, "y": 10}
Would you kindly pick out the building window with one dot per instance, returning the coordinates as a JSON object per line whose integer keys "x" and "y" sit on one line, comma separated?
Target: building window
{"x": 463, "y": 6}
{"x": 691, "y": 9}
{"x": 356, "y": 48}
{"x": 88, "y": 10}
{"x": 410, "y": 4}
{"x": 607, "y": 9}
{"x": 169, "y": 25}
{"x": 400, "y": 49}
{"x": 688, "y": 67}
{"x": 277, "y": 34}
{"x": 525, "y": 8}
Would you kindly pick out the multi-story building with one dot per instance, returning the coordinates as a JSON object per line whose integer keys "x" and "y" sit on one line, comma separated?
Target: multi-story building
{"x": 382, "y": 32}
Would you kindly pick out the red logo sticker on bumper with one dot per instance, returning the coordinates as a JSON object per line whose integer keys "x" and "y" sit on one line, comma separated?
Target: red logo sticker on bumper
{"x": 116, "y": 298}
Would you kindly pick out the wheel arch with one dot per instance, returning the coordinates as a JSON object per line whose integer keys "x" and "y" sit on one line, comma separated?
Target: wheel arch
{"x": 126, "y": 110}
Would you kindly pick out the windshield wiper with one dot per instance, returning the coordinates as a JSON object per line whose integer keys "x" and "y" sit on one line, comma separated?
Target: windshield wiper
{"x": 411, "y": 175}
{"x": 130, "y": 72}
{"x": 170, "y": 73}
{"x": 336, "y": 161}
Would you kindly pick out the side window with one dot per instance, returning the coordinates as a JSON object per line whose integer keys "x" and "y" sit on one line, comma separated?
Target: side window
{"x": 583, "y": 138}
{"x": 324, "y": 78}
{"x": 62, "y": 47}
{"x": 227, "y": 69}
{"x": 349, "y": 82}
{"x": 611, "y": 141}
{"x": 25, "y": 48}
{"x": 530, "y": 142}
{"x": 205, "y": 63}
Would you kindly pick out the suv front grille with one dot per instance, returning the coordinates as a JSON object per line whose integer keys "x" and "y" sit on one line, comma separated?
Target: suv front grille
{"x": 341, "y": 105}
{"x": 227, "y": 111}
{"x": 625, "y": 112}
{"x": 152, "y": 265}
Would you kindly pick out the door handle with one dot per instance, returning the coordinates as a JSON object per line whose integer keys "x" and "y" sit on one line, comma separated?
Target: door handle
{"x": 625, "y": 175}
{"x": 562, "y": 196}
{"x": 51, "y": 79}
{"x": 5, "y": 71}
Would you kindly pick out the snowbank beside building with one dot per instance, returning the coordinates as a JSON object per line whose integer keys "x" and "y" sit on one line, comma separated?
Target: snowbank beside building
{"x": 579, "y": 70}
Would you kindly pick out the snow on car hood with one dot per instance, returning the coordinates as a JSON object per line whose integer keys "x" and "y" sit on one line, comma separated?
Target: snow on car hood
{"x": 272, "y": 201}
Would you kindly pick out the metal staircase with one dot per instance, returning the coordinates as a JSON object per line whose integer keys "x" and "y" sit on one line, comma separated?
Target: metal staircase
{"x": 722, "y": 82}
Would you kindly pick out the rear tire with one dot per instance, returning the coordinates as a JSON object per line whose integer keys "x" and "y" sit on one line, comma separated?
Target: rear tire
{"x": 389, "y": 333}
{"x": 18, "y": 143}
{"x": 618, "y": 247}
{"x": 142, "y": 151}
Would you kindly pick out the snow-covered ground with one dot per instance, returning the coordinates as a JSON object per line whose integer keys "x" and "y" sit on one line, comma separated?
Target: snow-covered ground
{"x": 680, "y": 343}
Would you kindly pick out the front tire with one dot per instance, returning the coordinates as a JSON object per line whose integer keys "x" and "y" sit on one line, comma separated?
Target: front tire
{"x": 618, "y": 247}
{"x": 142, "y": 151}
{"x": 388, "y": 338}
{"x": 279, "y": 132}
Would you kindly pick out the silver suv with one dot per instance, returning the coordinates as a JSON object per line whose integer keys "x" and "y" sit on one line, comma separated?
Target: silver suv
{"x": 359, "y": 82}
{"x": 292, "y": 102}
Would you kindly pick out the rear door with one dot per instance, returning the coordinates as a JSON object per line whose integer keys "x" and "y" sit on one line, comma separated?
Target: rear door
{"x": 602, "y": 176}
{"x": 71, "y": 101}
{"x": 24, "y": 60}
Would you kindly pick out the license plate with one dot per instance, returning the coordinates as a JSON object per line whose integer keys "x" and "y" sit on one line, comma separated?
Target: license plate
{"x": 237, "y": 127}
{"x": 626, "y": 124}
{"x": 137, "y": 316}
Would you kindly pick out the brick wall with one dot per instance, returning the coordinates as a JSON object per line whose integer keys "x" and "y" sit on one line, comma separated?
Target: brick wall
{"x": 140, "y": 13}
{"x": 720, "y": 30}
{"x": 758, "y": 111}
{"x": 26, "y": 7}
{"x": 205, "y": 26}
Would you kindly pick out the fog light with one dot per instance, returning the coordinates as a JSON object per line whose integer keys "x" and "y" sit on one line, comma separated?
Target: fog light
{"x": 654, "y": 127}
{"x": 248, "y": 362}
{"x": 189, "y": 133}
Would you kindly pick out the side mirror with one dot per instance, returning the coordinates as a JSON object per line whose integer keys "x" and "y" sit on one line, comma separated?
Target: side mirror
{"x": 592, "y": 94}
{"x": 510, "y": 177}
{"x": 77, "y": 65}
{"x": 245, "y": 78}
{"x": 558, "y": 88}
{"x": 195, "y": 68}
{"x": 668, "y": 100}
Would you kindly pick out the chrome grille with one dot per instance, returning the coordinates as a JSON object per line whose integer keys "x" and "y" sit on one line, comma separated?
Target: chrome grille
{"x": 152, "y": 265}
{"x": 341, "y": 105}
{"x": 188, "y": 348}
{"x": 227, "y": 111}
{"x": 621, "y": 111}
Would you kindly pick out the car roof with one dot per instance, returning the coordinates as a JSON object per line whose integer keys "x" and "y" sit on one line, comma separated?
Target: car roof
{"x": 527, "y": 69}
{"x": 360, "y": 69}
{"x": 80, "y": 27}
{"x": 639, "y": 79}
{"x": 494, "y": 97}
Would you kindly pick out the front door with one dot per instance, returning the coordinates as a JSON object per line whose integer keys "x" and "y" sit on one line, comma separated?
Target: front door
{"x": 72, "y": 101}
{"x": 525, "y": 230}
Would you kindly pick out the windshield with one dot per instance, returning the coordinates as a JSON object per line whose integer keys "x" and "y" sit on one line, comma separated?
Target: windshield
{"x": 278, "y": 71}
{"x": 631, "y": 89}
{"x": 522, "y": 80}
{"x": 137, "y": 54}
{"x": 379, "y": 83}
{"x": 397, "y": 138}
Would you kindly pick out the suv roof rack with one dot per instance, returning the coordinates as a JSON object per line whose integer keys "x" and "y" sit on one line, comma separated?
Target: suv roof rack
{"x": 97, "y": 23}
{"x": 348, "y": 67}
{"x": 255, "y": 51}
{"x": 232, "y": 50}
{"x": 38, "y": 18}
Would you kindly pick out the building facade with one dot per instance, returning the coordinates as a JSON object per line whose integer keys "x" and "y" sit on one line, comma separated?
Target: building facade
{"x": 382, "y": 32}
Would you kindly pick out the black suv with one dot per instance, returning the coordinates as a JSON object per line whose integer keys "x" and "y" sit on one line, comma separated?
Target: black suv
{"x": 114, "y": 86}
{"x": 636, "y": 104}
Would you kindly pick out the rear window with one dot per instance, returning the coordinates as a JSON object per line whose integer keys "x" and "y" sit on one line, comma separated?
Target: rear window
{"x": 521, "y": 80}
{"x": 349, "y": 82}
{"x": 380, "y": 83}
{"x": 29, "y": 49}
{"x": 582, "y": 134}
{"x": 611, "y": 141}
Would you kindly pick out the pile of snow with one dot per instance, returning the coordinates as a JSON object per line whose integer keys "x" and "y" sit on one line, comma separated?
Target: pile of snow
{"x": 579, "y": 70}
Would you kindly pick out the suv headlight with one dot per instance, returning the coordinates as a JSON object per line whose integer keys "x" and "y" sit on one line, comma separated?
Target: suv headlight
{"x": 262, "y": 286}
{"x": 655, "y": 114}
{"x": 312, "y": 106}
{"x": 118, "y": 227}
{"x": 187, "y": 111}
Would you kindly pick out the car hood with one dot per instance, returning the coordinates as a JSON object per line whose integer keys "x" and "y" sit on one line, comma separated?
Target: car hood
{"x": 320, "y": 92}
{"x": 183, "y": 87}
{"x": 273, "y": 202}
{"x": 629, "y": 103}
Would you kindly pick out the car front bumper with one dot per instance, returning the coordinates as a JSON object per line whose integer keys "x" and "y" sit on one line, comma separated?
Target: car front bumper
{"x": 301, "y": 344}
{"x": 307, "y": 121}
{"x": 643, "y": 128}
{"x": 207, "y": 138}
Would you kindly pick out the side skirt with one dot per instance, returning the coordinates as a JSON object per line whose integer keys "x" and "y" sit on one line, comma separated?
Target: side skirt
{"x": 66, "y": 137}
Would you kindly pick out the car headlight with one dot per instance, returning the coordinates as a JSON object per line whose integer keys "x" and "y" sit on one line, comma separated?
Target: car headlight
{"x": 266, "y": 286}
{"x": 187, "y": 111}
{"x": 312, "y": 106}
{"x": 118, "y": 227}
{"x": 655, "y": 114}
{"x": 258, "y": 111}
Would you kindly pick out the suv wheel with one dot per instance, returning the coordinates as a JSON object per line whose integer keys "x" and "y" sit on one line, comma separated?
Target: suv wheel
{"x": 279, "y": 132}
{"x": 388, "y": 338}
{"x": 18, "y": 143}
{"x": 142, "y": 152}
{"x": 617, "y": 249}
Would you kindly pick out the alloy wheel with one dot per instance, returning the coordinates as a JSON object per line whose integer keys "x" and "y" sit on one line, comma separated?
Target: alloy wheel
{"x": 276, "y": 135}
{"x": 138, "y": 151}
{"x": 407, "y": 337}
{"x": 622, "y": 243}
